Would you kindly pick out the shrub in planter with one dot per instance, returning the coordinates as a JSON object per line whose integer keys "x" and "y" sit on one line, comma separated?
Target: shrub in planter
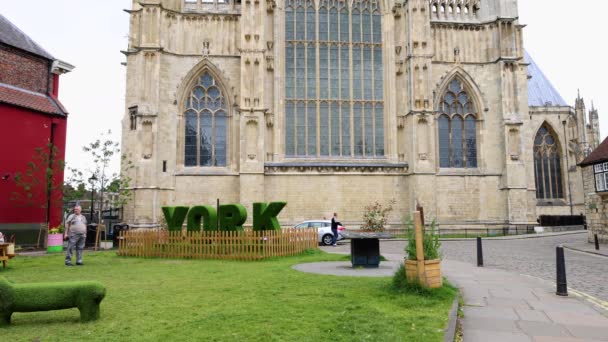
{"x": 431, "y": 277}
{"x": 375, "y": 216}
{"x": 430, "y": 243}
{"x": 57, "y": 230}
{"x": 55, "y": 239}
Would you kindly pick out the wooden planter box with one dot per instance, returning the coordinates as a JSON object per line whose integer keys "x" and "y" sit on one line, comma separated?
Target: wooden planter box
{"x": 431, "y": 276}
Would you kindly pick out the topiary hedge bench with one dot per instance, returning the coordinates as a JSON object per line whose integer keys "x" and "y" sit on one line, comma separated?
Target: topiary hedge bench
{"x": 84, "y": 295}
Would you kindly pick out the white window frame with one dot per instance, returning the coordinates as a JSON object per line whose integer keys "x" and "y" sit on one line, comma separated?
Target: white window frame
{"x": 601, "y": 177}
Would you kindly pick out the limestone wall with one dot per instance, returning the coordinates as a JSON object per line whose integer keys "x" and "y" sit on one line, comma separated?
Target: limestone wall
{"x": 316, "y": 196}
{"x": 242, "y": 46}
{"x": 596, "y": 208}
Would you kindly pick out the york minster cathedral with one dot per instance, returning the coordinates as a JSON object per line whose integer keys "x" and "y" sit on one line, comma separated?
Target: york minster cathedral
{"x": 330, "y": 105}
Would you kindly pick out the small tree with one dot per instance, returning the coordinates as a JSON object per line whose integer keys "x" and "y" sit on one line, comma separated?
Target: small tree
{"x": 375, "y": 216}
{"x": 40, "y": 177}
{"x": 102, "y": 152}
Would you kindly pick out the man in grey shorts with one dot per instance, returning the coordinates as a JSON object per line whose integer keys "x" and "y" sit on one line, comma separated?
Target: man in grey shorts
{"x": 76, "y": 231}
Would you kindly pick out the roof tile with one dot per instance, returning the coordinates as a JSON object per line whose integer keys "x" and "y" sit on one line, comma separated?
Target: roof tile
{"x": 31, "y": 100}
{"x": 599, "y": 155}
{"x": 540, "y": 90}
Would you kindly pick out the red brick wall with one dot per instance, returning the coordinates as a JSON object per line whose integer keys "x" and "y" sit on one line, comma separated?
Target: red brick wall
{"x": 23, "y": 70}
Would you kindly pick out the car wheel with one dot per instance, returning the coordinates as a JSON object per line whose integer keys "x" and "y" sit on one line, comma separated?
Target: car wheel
{"x": 327, "y": 239}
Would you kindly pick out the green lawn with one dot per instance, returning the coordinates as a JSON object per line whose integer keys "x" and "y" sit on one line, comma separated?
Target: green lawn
{"x": 209, "y": 300}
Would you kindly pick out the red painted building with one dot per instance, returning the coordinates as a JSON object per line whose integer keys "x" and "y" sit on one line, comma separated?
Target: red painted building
{"x": 32, "y": 117}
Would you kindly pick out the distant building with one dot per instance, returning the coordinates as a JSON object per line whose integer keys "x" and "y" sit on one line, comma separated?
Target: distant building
{"x": 32, "y": 117}
{"x": 595, "y": 180}
{"x": 330, "y": 105}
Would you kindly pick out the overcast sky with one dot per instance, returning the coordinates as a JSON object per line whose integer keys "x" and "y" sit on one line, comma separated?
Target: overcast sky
{"x": 566, "y": 41}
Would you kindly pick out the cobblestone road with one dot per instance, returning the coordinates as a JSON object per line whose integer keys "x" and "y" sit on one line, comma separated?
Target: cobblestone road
{"x": 534, "y": 257}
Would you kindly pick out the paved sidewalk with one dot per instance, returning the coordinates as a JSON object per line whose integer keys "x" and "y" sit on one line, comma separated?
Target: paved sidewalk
{"x": 503, "y": 306}
{"x": 586, "y": 247}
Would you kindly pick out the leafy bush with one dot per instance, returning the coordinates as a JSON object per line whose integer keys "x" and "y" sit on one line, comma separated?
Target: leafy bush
{"x": 430, "y": 241}
{"x": 375, "y": 216}
{"x": 56, "y": 230}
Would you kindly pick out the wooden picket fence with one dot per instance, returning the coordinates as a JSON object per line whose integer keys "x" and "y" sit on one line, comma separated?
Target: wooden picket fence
{"x": 239, "y": 245}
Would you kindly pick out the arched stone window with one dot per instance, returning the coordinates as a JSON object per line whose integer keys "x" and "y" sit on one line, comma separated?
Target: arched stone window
{"x": 337, "y": 111}
{"x": 206, "y": 124}
{"x": 457, "y": 128}
{"x": 547, "y": 165}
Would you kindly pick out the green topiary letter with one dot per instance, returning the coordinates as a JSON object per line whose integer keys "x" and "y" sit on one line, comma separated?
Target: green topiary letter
{"x": 84, "y": 295}
{"x": 265, "y": 215}
{"x": 232, "y": 217}
{"x": 175, "y": 217}
{"x": 204, "y": 212}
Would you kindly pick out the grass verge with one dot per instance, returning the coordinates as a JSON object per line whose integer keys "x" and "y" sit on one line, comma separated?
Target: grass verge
{"x": 210, "y": 300}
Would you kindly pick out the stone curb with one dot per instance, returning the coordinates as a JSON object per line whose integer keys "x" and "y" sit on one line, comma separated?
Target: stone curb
{"x": 45, "y": 253}
{"x": 450, "y": 331}
{"x": 585, "y": 251}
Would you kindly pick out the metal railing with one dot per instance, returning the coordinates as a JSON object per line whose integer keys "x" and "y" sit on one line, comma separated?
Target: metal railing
{"x": 455, "y": 233}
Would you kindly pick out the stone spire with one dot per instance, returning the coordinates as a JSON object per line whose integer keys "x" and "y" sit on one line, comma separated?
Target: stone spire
{"x": 593, "y": 128}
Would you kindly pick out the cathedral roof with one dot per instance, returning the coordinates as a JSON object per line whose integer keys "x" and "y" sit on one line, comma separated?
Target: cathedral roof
{"x": 599, "y": 155}
{"x": 13, "y": 36}
{"x": 540, "y": 90}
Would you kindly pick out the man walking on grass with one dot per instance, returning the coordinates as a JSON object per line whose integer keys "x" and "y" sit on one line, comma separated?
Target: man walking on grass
{"x": 76, "y": 232}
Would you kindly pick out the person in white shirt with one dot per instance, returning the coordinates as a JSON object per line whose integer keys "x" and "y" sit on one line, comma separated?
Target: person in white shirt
{"x": 76, "y": 232}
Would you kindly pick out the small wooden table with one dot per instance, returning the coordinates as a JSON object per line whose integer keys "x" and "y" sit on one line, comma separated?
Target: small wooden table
{"x": 4, "y": 257}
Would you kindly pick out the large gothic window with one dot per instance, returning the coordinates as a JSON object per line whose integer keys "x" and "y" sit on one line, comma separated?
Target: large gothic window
{"x": 457, "y": 128}
{"x": 205, "y": 124}
{"x": 333, "y": 79}
{"x": 547, "y": 166}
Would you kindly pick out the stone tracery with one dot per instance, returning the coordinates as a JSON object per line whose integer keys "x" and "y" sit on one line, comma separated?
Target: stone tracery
{"x": 319, "y": 117}
{"x": 205, "y": 124}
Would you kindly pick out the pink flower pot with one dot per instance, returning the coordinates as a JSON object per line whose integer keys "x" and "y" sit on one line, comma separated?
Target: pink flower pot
{"x": 55, "y": 243}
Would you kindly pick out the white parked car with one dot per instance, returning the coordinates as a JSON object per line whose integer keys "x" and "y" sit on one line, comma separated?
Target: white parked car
{"x": 323, "y": 228}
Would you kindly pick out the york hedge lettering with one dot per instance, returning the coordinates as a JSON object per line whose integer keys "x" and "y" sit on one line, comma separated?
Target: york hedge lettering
{"x": 229, "y": 217}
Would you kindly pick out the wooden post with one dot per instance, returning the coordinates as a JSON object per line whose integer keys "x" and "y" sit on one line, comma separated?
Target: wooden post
{"x": 96, "y": 238}
{"x": 100, "y": 227}
{"x": 419, "y": 248}
{"x": 421, "y": 210}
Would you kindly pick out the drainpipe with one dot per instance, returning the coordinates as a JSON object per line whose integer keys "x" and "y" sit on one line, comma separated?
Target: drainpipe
{"x": 49, "y": 187}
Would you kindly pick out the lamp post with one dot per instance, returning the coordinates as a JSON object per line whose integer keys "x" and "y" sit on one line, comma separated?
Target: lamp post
{"x": 92, "y": 180}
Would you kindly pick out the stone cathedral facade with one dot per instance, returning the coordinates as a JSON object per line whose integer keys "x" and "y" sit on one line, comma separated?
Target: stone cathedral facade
{"x": 330, "y": 105}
